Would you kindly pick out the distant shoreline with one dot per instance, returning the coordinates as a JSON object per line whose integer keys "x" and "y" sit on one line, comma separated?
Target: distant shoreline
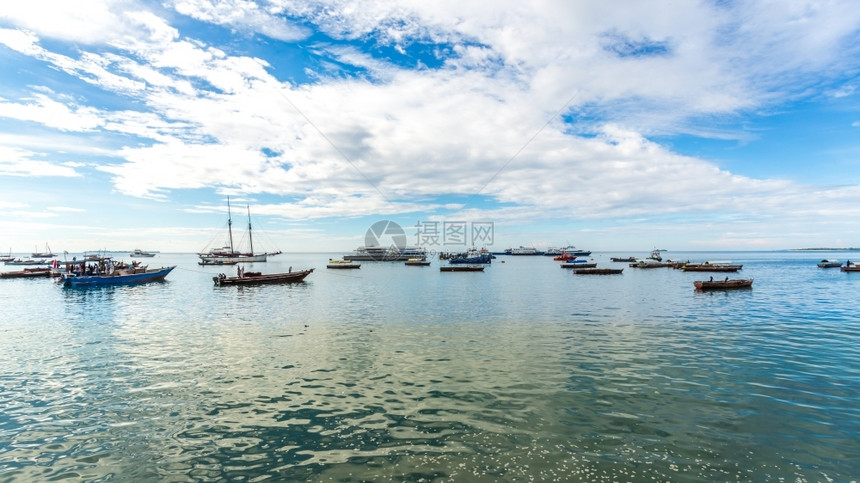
{"x": 823, "y": 249}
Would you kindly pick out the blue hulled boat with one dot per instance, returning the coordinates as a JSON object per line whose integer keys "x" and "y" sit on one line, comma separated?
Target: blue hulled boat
{"x": 118, "y": 277}
{"x": 472, "y": 256}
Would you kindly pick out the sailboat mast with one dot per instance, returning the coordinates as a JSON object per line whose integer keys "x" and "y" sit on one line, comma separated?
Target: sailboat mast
{"x": 250, "y": 237}
{"x": 230, "y": 225}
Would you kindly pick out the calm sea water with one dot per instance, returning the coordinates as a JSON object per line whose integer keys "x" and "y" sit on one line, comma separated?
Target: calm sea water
{"x": 524, "y": 372}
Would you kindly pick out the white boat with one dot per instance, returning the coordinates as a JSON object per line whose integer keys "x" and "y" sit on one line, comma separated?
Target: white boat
{"x": 568, "y": 250}
{"x": 140, "y": 253}
{"x": 228, "y": 254}
{"x": 525, "y": 251}
{"x": 383, "y": 254}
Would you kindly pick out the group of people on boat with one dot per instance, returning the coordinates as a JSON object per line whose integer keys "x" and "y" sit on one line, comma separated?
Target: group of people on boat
{"x": 104, "y": 266}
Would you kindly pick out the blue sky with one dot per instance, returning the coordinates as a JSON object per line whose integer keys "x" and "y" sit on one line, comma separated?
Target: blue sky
{"x": 708, "y": 125}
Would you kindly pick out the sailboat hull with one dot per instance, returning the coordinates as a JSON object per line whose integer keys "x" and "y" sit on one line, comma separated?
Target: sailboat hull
{"x": 237, "y": 259}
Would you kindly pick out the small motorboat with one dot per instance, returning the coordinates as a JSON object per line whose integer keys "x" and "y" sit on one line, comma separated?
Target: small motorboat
{"x": 727, "y": 284}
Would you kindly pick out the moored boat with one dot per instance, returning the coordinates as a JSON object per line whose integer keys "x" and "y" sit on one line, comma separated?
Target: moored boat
{"x": 829, "y": 263}
{"x": 28, "y": 273}
{"x": 369, "y": 253}
{"x": 525, "y": 251}
{"x": 624, "y": 259}
{"x": 417, "y": 262}
{"x": 850, "y": 267}
{"x": 345, "y": 264}
{"x": 578, "y": 264}
{"x": 45, "y": 254}
{"x": 228, "y": 253}
{"x": 650, "y": 263}
{"x": 217, "y": 261}
{"x": 472, "y": 257}
{"x": 461, "y": 268}
{"x": 124, "y": 276}
{"x": 709, "y": 266}
{"x": 141, "y": 253}
{"x": 597, "y": 271}
{"x": 726, "y": 284}
{"x": 258, "y": 278}
{"x": 28, "y": 261}
{"x": 569, "y": 249}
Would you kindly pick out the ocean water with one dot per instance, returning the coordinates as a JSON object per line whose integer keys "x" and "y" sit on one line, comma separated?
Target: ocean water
{"x": 524, "y": 372}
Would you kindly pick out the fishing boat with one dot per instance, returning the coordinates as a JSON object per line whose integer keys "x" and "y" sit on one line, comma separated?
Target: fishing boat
{"x": 726, "y": 284}
{"x": 8, "y": 257}
{"x": 597, "y": 271}
{"x": 624, "y": 259}
{"x": 27, "y": 261}
{"x": 651, "y": 263}
{"x": 461, "y": 268}
{"x": 344, "y": 264}
{"x": 46, "y": 254}
{"x": 228, "y": 252}
{"x": 472, "y": 257}
{"x": 28, "y": 273}
{"x": 850, "y": 267}
{"x": 417, "y": 262}
{"x": 575, "y": 264}
{"x": 258, "y": 278}
{"x": 113, "y": 276}
{"x": 829, "y": 263}
{"x": 709, "y": 266}
{"x": 217, "y": 262}
{"x": 138, "y": 253}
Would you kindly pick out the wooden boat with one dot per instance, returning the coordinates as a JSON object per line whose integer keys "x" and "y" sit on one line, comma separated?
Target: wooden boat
{"x": 597, "y": 271}
{"x": 217, "y": 262}
{"x": 829, "y": 263}
{"x": 46, "y": 254}
{"x": 711, "y": 267}
{"x": 723, "y": 284}
{"x": 650, "y": 263}
{"x": 346, "y": 264}
{"x": 28, "y": 273}
{"x": 417, "y": 262}
{"x": 257, "y": 278}
{"x": 850, "y": 267}
{"x": 118, "y": 277}
{"x": 228, "y": 253}
{"x": 577, "y": 265}
{"x": 461, "y": 268}
{"x": 625, "y": 260}
{"x": 27, "y": 261}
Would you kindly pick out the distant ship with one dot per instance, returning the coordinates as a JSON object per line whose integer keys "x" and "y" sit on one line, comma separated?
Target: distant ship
{"x": 385, "y": 254}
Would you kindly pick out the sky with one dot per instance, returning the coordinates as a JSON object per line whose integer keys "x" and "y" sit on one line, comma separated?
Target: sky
{"x": 611, "y": 126}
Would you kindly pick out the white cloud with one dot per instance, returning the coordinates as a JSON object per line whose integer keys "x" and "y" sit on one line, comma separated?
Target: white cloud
{"x": 486, "y": 122}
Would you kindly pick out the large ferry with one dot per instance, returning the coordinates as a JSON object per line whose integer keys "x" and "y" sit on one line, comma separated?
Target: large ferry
{"x": 525, "y": 251}
{"x": 385, "y": 254}
{"x": 568, "y": 250}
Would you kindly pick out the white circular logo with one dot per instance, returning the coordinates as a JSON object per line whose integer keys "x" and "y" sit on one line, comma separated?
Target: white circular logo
{"x": 386, "y": 234}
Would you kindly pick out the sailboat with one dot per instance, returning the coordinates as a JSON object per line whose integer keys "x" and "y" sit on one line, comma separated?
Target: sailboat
{"x": 228, "y": 255}
{"x": 46, "y": 254}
